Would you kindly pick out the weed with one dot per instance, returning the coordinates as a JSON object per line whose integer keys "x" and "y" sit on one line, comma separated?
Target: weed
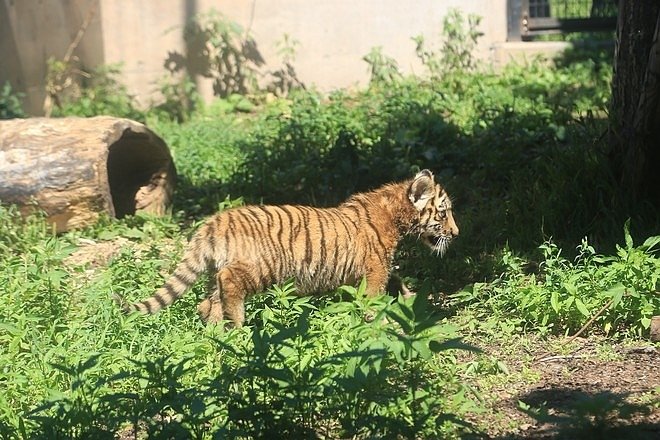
{"x": 564, "y": 295}
{"x": 10, "y": 103}
{"x": 100, "y": 93}
{"x": 459, "y": 41}
{"x": 289, "y": 374}
{"x": 227, "y": 54}
{"x": 382, "y": 68}
{"x": 285, "y": 79}
{"x": 179, "y": 97}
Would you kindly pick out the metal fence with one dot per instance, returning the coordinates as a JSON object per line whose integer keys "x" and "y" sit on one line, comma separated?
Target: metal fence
{"x": 530, "y": 18}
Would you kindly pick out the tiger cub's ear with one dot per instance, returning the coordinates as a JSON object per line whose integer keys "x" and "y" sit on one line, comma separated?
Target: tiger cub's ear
{"x": 422, "y": 189}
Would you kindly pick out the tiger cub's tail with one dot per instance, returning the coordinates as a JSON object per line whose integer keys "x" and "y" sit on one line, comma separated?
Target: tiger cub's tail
{"x": 196, "y": 259}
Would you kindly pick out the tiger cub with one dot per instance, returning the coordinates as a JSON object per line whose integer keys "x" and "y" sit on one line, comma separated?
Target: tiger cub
{"x": 250, "y": 248}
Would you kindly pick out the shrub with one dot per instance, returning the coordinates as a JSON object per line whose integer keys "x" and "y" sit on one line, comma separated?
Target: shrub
{"x": 226, "y": 53}
{"x": 180, "y": 98}
{"x": 620, "y": 291}
{"x": 10, "y": 103}
{"x": 382, "y": 68}
{"x": 100, "y": 94}
{"x": 459, "y": 41}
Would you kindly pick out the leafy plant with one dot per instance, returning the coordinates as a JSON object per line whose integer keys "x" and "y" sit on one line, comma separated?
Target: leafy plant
{"x": 10, "y": 103}
{"x": 288, "y": 374}
{"x": 460, "y": 37}
{"x": 180, "y": 97}
{"x": 382, "y": 68}
{"x": 100, "y": 93}
{"x": 62, "y": 81}
{"x": 227, "y": 54}
{"x": 285, "y": 79}
{"x": 459, "y": 41}
{"x": 413, "y": 345}
{"x": 619, "y": 291}
{"x": 80, "y": 413}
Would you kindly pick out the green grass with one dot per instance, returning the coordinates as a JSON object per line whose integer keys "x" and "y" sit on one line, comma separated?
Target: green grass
{"x": 541, "y": 250}
{"x": 75, "y": 367}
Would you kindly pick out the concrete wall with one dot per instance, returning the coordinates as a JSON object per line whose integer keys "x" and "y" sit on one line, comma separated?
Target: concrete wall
{"x": 333, "y": 35}
{"x": 32, "y": 31}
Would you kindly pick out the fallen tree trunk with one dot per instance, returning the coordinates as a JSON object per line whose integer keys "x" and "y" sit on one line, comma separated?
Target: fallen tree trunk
{"x": 74, "y": 169}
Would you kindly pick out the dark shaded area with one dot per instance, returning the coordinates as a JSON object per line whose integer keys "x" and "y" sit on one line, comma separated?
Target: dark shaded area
{"x": 574, "y": 413}
{"x": 585, "y": 395}
{"x": 134, "y": 161}
{"x": 9, "y": 47}
{"x": 634, "y": 127}
{"x": 319, "y": 158}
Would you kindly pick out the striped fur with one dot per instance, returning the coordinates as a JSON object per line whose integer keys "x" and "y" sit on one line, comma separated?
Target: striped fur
{"x": 250, "y": 248}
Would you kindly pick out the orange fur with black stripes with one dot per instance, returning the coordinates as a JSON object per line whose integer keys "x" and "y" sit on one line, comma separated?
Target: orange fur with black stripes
{"x": 250, "y": 248}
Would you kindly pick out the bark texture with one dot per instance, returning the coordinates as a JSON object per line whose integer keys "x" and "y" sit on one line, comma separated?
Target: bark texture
{"x": 74, "y": 169}
{"x": 634, "y": 133}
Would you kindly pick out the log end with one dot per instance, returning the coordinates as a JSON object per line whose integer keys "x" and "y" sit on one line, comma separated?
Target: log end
{"x": 141, "y": 173}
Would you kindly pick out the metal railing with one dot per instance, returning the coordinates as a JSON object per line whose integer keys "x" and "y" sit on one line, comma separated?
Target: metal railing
{"x": 530, "y": 18}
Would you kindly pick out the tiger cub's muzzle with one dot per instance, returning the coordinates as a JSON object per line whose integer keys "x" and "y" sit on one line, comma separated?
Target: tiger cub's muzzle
{"x": 438, "y": 243}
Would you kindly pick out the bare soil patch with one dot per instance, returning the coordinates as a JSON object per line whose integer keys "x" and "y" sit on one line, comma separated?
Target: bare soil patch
{"x": 95, "y": 254}
{"x": 597, "y": 391}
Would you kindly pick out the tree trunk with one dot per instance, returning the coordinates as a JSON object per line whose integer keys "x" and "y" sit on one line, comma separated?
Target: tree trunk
{"x": 74, "y": 169}
{"x": 634, "y": 133}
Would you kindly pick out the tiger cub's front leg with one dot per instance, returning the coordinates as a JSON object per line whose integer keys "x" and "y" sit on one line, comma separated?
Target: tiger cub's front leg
{"x": 376, "y": 280}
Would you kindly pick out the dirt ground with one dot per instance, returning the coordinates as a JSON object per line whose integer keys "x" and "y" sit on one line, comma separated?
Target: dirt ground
{"x": 597, "y": 391}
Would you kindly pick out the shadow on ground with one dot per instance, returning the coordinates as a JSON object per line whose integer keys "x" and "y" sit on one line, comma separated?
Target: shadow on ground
{"x": 567, "y": 413}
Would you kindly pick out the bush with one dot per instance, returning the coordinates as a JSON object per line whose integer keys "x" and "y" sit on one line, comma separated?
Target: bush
{"x": 620, "y": 291}
{"x": 10, "y": 103}
{"x": 100, "y": 94}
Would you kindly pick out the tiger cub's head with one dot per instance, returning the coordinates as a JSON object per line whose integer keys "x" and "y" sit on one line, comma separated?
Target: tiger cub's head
{"x": 435, "y": 223}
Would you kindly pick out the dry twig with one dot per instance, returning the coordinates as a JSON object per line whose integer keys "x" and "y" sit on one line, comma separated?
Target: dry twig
{"x": 57, "y": 81}
{"x": 579, "y": 332}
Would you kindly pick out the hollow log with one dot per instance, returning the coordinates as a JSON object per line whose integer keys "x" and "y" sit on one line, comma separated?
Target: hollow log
{"x": 75, "y": 169}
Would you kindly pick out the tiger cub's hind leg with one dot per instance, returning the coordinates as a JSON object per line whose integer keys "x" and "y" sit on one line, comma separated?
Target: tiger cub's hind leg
{"x": 233, "y": 288}
{"x": 210, "y": 309}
